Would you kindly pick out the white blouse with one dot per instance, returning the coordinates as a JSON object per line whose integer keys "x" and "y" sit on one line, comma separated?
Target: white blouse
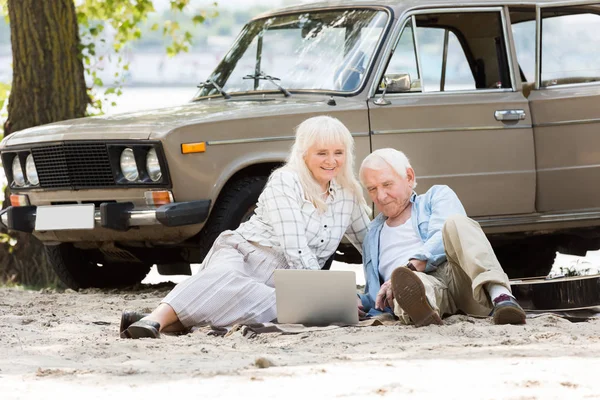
{"x": 285, "y": 220}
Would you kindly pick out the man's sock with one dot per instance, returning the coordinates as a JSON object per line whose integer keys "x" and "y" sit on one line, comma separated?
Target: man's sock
{"x": 496, "y": 290}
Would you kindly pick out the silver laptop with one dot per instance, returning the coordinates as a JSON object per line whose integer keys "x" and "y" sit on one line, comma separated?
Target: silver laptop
{"x": 316, "y": 297}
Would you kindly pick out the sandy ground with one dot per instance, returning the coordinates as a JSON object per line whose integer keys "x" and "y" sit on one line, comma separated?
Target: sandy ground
{"x": 66, "y": 345}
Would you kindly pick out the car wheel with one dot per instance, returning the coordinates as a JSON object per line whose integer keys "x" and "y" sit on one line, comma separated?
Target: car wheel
{"x": 527, "y": 257}
{"x": 80, "y": 269}
{"x": 235, "y": 205}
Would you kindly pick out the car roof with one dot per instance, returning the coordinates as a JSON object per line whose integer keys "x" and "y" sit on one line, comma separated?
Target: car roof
{"x": 400, "y": 6}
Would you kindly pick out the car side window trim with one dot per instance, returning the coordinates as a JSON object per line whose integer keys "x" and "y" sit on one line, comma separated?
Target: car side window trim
{"x": 388, "y": 52}
{"x": 538, "y": 46}
{"x": 413, "y": 27}
{"x": 444, "y": 60}
{"x": 410, "y": 17}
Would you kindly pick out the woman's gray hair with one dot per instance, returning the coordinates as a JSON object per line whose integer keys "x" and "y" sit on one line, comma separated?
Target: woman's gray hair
{"x": 322, "y": 131}
{"x": 382, "y": 158}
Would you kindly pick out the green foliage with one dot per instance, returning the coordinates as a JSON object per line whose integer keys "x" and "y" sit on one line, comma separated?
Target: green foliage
{"x": 200, "y": 26}
{"x": 4, "y": 91}
{"x": 11, "y": 241}
{"x": 123, "y": 21}
{"x": 107, "y": 29}
{"x": 4, "y": 30}
{"x": 4, "y": 86}
{"x": 6, "y": 240}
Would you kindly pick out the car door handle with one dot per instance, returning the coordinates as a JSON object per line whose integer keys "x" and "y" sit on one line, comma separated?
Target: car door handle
{"x": 509, "y": 115}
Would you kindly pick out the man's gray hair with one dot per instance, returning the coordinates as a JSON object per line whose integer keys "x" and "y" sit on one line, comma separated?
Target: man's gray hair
{"x": 382, "y": 158}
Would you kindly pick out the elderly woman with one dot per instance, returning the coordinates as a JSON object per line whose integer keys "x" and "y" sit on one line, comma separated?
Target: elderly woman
{"x": 304, "y": 210}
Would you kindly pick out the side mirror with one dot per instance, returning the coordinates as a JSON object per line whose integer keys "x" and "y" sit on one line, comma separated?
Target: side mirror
{"x": 397, "y": 83}
{"x": 393, "y": 83}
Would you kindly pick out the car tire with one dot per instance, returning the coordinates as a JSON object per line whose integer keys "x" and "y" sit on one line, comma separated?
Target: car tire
{"x": 530, "y": 257}
{"x": 79, "y": 269}
{"x": 235, "y": 205}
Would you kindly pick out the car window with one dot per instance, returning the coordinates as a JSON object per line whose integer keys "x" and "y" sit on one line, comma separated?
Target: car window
{"x": 404, "y": 59}
{"x": 524, "y": 37}
{"x": 328, "y": 50}
{"x": 247, "y": 63}
{"x": 456, "y": 51}
{"x": 458, "y": 74}
{"x": 570, "y": 46}
{"x": 288, "y": 44}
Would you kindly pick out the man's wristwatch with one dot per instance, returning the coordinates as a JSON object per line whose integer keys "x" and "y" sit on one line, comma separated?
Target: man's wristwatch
{"x": 410, "y": 266}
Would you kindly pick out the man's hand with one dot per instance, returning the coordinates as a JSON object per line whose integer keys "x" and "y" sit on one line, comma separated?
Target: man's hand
{"x": 361, "y": 309}
{"x": 385, "y": 297}
{"x": 418, "y": 264}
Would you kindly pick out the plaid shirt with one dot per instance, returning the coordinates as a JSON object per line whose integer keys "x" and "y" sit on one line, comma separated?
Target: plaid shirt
{"x": 288, "y": 222}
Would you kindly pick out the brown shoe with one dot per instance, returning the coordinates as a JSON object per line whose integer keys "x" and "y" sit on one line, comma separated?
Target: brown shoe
{"x": 409, "y": 292}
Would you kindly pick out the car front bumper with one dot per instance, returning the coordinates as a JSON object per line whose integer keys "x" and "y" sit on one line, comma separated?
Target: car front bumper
{"x": 119, "y": 216}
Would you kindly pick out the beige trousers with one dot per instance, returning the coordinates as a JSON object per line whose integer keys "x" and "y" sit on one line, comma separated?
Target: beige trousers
{"x": 458, "y": 284}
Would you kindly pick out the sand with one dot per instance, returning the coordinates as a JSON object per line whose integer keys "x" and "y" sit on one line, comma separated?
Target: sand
{"x": 66, "y": 345}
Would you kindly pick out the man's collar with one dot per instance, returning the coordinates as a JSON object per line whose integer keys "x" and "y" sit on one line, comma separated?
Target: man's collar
{"x": 413, "y": 196}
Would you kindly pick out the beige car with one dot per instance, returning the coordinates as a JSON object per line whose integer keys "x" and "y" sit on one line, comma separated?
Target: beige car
{"x": 498, "y": 99}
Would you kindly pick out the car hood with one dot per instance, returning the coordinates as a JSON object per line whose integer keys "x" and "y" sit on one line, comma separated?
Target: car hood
{"x": 149, "y": 124}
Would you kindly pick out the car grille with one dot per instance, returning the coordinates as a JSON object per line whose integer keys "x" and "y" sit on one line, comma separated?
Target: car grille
{"x": 75, "y": 165}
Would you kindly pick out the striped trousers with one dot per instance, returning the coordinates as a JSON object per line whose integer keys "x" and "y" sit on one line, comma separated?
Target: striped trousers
{"x": 234, "y": 285}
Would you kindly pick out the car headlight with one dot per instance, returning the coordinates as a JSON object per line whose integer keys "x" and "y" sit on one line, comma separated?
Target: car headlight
{"x": 32, "y": 175}
{"x": 128, "y": 166}
{"x": 17, "y": 172}
{"x": 153, "y": 166}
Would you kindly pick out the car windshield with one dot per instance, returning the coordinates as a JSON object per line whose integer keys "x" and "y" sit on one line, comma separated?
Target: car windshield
{"x": 321, "y": 50}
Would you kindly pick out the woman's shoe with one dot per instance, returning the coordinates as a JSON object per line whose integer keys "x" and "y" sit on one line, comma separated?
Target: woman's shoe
{"x": 128, "y": 318}
{"x": 143, "y": 329}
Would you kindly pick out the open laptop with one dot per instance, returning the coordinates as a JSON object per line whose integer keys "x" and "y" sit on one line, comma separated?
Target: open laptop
{"x": 316, "y": 297}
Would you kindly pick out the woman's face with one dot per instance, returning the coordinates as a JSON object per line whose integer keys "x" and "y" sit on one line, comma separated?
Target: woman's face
{"x": 325, "y": 162}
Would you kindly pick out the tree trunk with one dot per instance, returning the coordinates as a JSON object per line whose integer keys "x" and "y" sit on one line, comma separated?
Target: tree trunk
{"x": 48, "y": 82}
{"x": 48, "y": 86}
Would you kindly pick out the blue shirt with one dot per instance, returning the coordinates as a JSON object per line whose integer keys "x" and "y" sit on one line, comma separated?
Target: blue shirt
{"x": 428, "y": 214}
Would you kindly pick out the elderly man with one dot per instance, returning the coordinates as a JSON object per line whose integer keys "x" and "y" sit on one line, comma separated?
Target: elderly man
{"x": 423, "y": 257}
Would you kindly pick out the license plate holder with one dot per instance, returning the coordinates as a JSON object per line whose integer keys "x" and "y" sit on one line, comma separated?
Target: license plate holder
{"x": 63, "y": 217}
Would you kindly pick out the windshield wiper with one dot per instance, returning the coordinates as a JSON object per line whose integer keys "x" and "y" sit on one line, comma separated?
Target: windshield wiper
{"x": 269, "y": 78}
{"x": 211, "y": 82}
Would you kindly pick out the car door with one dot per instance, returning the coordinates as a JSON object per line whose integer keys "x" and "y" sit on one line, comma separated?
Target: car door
{"x": 564, "y": 102}
{"x": 462, "y": 123}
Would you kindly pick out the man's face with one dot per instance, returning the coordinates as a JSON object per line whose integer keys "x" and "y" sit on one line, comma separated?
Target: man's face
{"x": 389, "y": 191}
